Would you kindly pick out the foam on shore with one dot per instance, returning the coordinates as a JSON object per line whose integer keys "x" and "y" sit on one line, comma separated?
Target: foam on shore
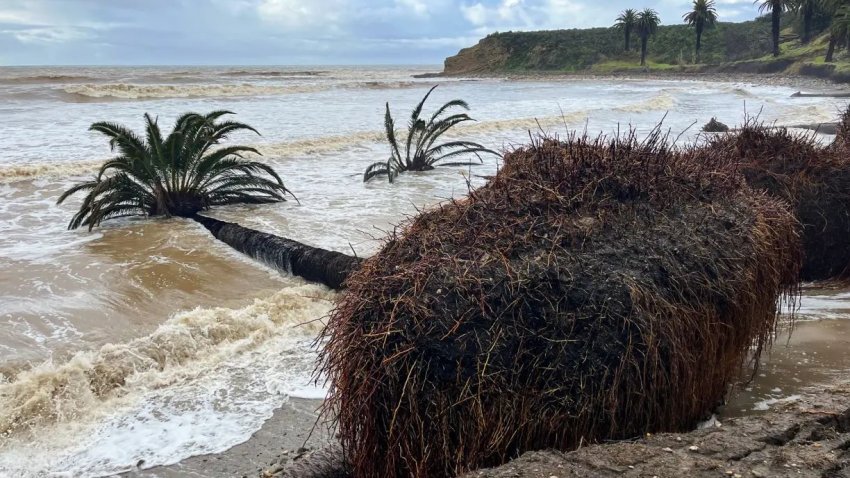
{"x": 201, "y": 382}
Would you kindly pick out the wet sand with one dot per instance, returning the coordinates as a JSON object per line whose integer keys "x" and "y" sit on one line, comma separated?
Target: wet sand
{"x": 288, "y": 430}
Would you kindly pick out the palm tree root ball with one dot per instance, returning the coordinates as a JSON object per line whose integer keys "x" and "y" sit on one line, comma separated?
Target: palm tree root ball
{"x": 594, "y": 289}
{"x": 812, "y": 178}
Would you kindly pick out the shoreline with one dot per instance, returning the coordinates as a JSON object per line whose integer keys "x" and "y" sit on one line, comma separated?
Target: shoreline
{"x": 807, "y": 438}
{"x": 757, "y": 79}
{"x": 286, "y": 432}
{"x": 281, "y": 438}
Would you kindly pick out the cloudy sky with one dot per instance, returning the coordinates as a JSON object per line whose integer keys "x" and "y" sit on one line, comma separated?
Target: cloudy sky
{"x": 242, "y": 32}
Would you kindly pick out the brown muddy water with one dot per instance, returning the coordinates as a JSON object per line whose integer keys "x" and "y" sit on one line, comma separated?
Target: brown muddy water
{"x": 148, "y": 339}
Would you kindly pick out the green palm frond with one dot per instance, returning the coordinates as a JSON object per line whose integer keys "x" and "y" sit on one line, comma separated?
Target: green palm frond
{"x": 626, "y": 19}
{"x": 377, "y": 169}
{"x": 178, "y": 175}
{"x": 420, "y": 152}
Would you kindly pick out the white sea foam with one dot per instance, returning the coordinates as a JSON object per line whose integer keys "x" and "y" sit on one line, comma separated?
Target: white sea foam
{"x": 202, "y": 382}
{"x": 824, "y": 306}
{"x": 766, "y": 404}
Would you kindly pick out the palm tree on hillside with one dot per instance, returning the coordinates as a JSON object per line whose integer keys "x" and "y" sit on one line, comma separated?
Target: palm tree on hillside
{"x": 626, "y": 22}
{"x": 701, "y": 17}
{"x": 839, "y": 29}
{"x": 188, "y": 172}
{"x": 646, "y": 26}
{"x": 776, "y": 8}
{"x": 421, "y": 150}
{"x": 806, "y": 10}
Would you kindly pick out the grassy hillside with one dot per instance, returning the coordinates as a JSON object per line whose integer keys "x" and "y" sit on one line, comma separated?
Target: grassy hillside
{"x": 732, "y": 47}
{"x": 576, "y": 50}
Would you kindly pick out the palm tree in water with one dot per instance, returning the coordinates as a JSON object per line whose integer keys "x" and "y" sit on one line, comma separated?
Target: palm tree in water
{"x": 188, "y": 172}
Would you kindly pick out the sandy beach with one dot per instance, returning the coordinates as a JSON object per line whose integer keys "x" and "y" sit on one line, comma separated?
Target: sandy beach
{"x": 290, "y": 429}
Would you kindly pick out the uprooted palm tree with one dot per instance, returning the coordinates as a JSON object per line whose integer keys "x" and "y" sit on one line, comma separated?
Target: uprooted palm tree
{"x": 188, "y": 172}
{"x": 703, "y": 16}
{"x": 646, "y": 26}
{"x": 626, "y": 22}
{"x": 421, "y": 150}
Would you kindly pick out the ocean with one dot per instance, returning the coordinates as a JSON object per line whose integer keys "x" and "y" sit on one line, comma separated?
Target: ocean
{"x": 147, "y": 339}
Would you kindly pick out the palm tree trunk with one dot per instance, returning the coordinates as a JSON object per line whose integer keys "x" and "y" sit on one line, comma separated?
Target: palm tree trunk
{"x": 808, "y": 11}
{"x": 830, "y": 50}
{"x": 776, "y": 17}
{"x": 628, "y": 38}
{"x": 643, "y": 40}
{"x": 699, "y": 43}
{"x": 312, "y": 263}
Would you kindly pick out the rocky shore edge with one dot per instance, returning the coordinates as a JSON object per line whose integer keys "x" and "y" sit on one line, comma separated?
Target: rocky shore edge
{"x": 806, "y": 437}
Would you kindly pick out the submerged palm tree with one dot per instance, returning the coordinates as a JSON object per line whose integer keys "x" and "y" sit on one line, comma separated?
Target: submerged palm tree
{"x": 421, "y": 150}
{"x": 188, "y": 172}
{"x": 646, "y": 26}
{"x": 178, "y": 175}
{"x": 701, "y": 17}
{"x": 626, "y": 22}
{"x": 776, "y": 8}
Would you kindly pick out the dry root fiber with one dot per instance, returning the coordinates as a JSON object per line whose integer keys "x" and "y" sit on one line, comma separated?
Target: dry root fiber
{"x": 594, "y": 289}
{"x": 814, "y": 179}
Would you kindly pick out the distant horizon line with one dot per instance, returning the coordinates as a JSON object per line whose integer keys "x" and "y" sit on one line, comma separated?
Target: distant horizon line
{"x": 217, "y": 65}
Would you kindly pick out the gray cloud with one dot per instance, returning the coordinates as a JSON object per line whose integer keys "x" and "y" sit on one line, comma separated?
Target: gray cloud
{"x": 289, "y": 31}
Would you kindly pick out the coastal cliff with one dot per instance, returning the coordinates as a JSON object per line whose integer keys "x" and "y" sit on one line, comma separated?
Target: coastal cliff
{"x": 731, "y": 48}
{"x": 587, "y": 49}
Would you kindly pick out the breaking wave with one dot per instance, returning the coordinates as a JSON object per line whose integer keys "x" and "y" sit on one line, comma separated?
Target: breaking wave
{"x": 661, "y": 101}
{"x": 318, "y": 145}
{"x": 124, "y": 91}
{"x": 178, "y": 350}
{"x": 37, "y": 79}
{"x": 132, "y": 91}
{"x": 23, "y": 172}
{"x": 275, "y": 73}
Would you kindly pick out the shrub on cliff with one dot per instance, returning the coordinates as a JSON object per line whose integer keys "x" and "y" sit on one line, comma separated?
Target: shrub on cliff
{"x": 593, "y": 289}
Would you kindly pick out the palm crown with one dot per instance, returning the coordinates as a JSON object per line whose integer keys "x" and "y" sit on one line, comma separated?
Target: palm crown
{"x": 421, "y": 151}
{"x": 627, "y": 19}
{"x": 703, "y": 14}
{"x": 771, "y": 5}
{"x": 179, "y": 175}
{"x": 647, "y": 22}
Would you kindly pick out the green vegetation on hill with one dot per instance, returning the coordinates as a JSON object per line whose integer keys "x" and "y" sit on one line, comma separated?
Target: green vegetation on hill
{"x": 726, "y": 47}
{"x": 577, "y": 50}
